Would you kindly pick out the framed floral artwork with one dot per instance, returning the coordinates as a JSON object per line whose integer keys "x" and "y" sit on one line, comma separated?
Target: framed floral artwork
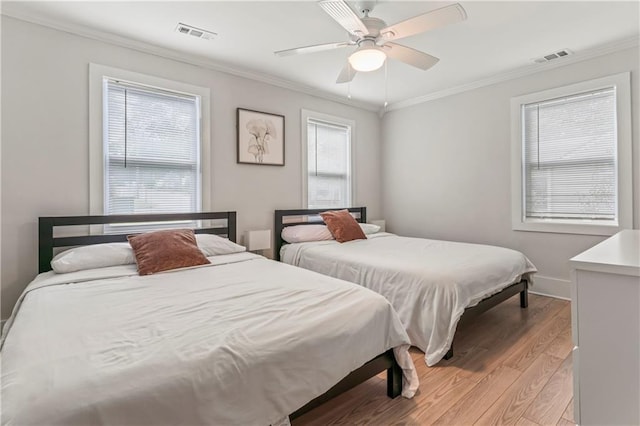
{"x": 260, "y": 137}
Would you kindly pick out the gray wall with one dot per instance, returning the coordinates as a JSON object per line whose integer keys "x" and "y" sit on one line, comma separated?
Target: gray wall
{"x": 45, "y": 139}
{"x": 442, "y": 170}
{"x": 446, "y": 169}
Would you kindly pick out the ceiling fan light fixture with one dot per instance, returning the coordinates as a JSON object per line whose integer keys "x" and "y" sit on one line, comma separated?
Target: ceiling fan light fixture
{"x": 367, "y": 58}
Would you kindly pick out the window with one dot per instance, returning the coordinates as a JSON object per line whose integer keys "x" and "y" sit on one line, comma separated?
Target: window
{"x": 328, "y": 161}
{"x": 152, "y": 150}
{"x": 572, "y": 158}
{"x": 149, "y": 145}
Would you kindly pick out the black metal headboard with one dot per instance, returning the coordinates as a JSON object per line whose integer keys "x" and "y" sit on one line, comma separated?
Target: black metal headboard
{"x": 46, "y": 240}
{"x": 306, "y": 217}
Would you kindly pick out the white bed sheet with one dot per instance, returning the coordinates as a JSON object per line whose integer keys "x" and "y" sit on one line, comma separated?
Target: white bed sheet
{"x": 429, "y": 282}
{"x": 242, "y": 341}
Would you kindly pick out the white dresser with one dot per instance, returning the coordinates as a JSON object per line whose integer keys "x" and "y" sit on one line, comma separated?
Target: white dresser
{"x": 606, "y": 331}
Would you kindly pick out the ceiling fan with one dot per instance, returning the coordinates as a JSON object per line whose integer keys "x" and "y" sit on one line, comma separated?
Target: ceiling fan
{"x": 374, "y": 38}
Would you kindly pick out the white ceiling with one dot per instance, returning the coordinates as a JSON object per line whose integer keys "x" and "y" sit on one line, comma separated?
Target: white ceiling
{"x": 497, "y": 37}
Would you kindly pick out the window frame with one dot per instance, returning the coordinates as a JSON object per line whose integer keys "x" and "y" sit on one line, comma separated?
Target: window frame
{"x": 305, "y": 115}
{"x": 624, "y": 213}
{"x": 97, "y": 73}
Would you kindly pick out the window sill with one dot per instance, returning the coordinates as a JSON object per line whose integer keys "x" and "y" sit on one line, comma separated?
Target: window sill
{"x": 567, "y": 227}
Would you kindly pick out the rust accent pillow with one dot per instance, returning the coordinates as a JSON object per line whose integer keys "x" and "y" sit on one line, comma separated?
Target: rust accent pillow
{"x": 165, "y": 250}
{"x": 343, "y": 226}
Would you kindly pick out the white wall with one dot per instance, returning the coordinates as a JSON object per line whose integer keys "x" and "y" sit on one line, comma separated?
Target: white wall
{"x": 45, "y": 139}
{"x": 446, "y": 170}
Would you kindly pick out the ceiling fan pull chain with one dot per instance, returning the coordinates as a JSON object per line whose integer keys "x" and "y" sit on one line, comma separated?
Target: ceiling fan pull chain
{"x": 386, "y": 84}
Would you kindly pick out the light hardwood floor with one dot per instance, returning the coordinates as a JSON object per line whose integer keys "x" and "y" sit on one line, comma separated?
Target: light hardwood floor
{"x": 513, "y": 366}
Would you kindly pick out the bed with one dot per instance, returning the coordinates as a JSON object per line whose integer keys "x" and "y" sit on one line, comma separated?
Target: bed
{"x": 433, "y": 285}
{"x": 244, "y": 340}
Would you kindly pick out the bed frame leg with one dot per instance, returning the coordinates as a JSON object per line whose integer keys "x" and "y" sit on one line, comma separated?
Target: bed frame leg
{"x": 449, "y": 353}
{"x": 524, "y": 298}
{"x": 394, "y": 380}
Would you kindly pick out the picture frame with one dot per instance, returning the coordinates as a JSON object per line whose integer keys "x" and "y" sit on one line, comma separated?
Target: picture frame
{"x": 260, "y": 137}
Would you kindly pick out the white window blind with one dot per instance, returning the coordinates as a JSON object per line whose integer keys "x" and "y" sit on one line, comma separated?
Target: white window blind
{"x": 152, "y": 150}
{"x": 570, "y": 157}
{"x": 328, "y": 164}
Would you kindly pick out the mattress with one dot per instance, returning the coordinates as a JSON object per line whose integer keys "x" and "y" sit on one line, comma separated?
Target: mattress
{"x": 429, "y": 282}
{"x": 242, "y": 341}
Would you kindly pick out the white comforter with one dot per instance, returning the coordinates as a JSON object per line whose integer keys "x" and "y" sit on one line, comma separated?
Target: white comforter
{"x": 429, "y": 282}
{"x": 243, "y": 341}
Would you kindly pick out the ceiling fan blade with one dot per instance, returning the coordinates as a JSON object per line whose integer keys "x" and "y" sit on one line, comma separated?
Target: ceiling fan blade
{"x": 426, "y": 22}
{"x": 410, "y": 56}
{"x": 347, "y": 74}
{"x": 311, "y": 49}
{"x": 345, "y": 16}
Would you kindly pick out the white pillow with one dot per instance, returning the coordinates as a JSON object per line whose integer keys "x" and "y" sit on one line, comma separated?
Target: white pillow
{"x": 306, "y": 233}
{"x": 369, "y": 228}
{"x": 93, "y": 256}
{"x": 114, "y": 254}
{"x": 214, "y": 245}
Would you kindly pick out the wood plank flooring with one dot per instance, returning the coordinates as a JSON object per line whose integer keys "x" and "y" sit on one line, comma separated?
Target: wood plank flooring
{"x": 511, "y": 367}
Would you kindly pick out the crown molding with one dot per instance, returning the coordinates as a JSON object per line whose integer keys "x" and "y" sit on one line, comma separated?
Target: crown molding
{"x": 584, "y": 55}
{"x": 191, "y": 59}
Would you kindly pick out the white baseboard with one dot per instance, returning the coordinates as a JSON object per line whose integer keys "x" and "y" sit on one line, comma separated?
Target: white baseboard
{"x": 552, "y": 287}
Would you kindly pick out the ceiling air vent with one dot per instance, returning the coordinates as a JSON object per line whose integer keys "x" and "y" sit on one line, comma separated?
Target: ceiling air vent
{"x": 195, "y": 32}
{"x": 554, "y": 55}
